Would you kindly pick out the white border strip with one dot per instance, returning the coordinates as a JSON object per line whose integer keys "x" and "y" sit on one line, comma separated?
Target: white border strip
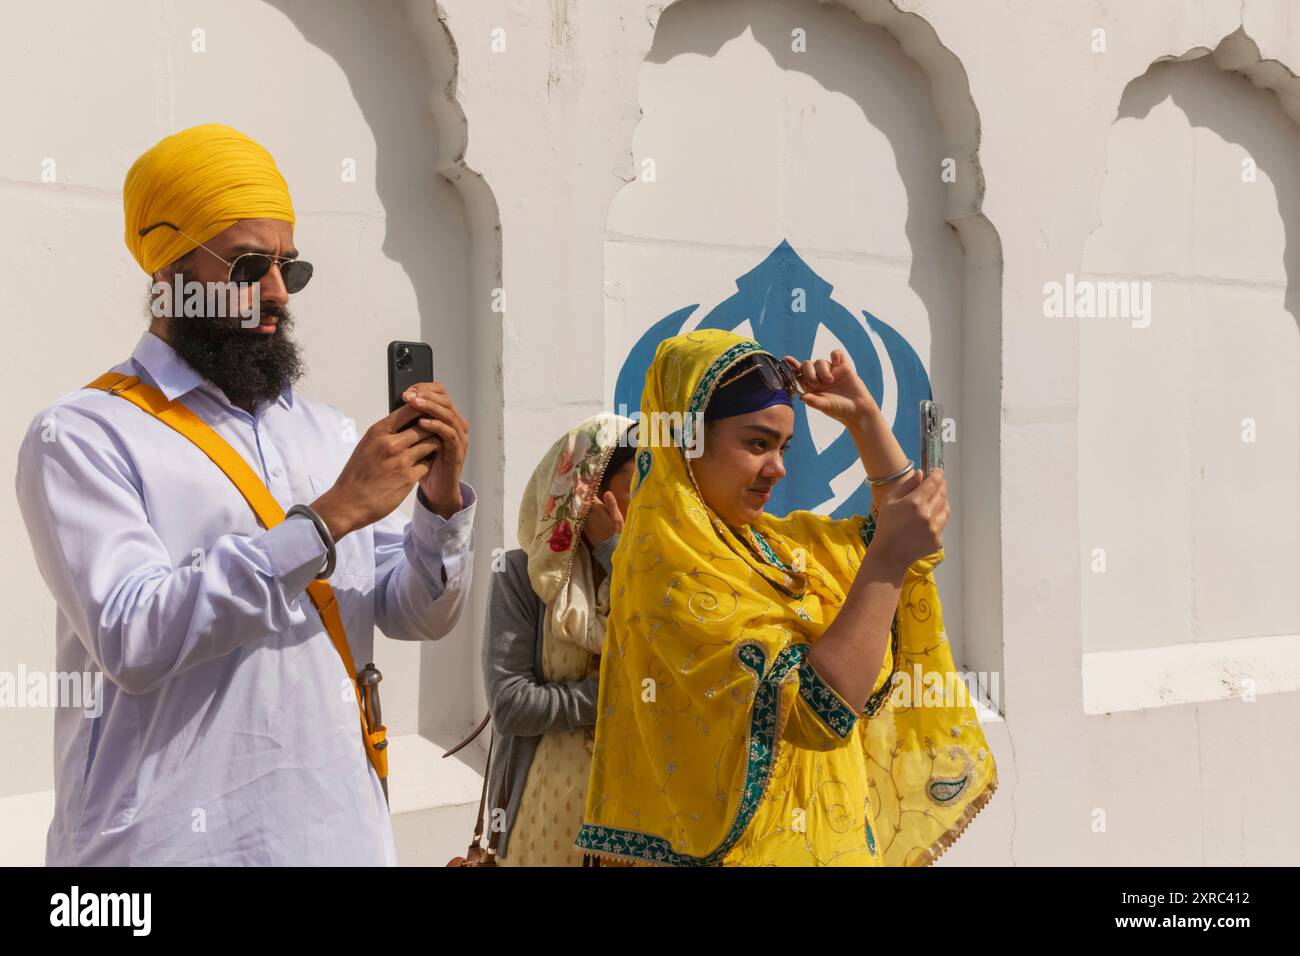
{"x": 1190, "y": 673}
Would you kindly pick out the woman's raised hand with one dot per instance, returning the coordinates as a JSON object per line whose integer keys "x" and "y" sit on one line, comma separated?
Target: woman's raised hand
{"x": 603, "y": 520}
{"x": 833, "y": 387}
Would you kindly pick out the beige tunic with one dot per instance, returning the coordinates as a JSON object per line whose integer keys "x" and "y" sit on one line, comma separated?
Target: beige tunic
{"x": 555, "y": 793}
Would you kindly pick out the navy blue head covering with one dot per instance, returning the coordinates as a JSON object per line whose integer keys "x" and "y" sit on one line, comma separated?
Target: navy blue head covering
{"x": 744, "y": 394}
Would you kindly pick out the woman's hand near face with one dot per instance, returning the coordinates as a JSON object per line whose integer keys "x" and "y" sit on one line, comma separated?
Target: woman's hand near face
{"x": 833, "y": 387}
{"x": 911, "y": 521}
{"x": 604, "y": 520}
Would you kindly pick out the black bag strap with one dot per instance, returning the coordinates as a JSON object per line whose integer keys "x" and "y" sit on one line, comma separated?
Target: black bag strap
{"x": 487, "y": 775}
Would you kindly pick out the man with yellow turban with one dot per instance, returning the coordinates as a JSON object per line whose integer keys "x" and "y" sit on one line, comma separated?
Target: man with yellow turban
{"x": 225, "y": 725}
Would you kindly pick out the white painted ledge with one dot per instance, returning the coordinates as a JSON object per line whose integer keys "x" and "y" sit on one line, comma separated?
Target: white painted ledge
{"x": 1190, "y": 673}
{"x": 985, "y": 712}
{"x": 419, "y": 780}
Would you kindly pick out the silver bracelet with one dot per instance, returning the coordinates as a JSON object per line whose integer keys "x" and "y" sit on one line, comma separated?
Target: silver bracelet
{"x": 308, "y": 512}
{"x": 874, "y": 482}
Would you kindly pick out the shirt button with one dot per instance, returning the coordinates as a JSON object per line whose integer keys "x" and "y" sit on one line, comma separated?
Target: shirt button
{"x": 277, "y": 471}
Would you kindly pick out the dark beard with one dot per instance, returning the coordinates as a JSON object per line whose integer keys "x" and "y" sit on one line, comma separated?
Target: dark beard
{"x": 248, "y": 366}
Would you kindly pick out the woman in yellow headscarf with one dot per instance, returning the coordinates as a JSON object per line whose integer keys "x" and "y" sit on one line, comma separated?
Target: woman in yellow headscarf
{"x": 748, "y": 712}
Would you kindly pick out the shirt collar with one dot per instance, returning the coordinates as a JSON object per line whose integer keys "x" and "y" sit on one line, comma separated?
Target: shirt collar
{"x": 172, "y": 374}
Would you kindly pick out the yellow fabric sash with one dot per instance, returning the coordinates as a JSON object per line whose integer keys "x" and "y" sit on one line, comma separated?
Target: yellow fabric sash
{"x": 707, "y": 632}
{"x": 269, "y": 513}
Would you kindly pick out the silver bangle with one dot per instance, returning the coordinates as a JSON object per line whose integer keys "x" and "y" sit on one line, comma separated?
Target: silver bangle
{"x": 325, "y": 536}
{"x": 874, "y": 482}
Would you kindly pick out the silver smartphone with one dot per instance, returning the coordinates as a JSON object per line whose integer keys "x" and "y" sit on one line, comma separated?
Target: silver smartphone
{"x": 931, "y": 436}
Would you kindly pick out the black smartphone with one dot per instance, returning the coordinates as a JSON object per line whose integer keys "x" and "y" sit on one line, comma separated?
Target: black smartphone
{"x": 408, "y": 364}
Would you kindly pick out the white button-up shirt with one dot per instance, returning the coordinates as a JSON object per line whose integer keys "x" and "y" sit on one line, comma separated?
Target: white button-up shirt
{"x": 228, "y": 730}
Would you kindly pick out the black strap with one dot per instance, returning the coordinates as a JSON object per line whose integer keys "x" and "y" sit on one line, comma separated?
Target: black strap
{"x": 482, "y": 797}
{"x": 495, "y": 836}
{"x": 487, "y": 772}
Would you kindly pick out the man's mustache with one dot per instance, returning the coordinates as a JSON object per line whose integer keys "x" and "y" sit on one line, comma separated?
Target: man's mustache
{"x": 274, "y": 314}
{"x": 219, "y": 325}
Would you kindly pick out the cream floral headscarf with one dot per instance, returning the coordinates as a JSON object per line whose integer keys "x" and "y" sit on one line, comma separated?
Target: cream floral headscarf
{"x": 551, "y": 518}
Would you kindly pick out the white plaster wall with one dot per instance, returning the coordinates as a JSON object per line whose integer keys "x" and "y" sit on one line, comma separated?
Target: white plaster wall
{"x": 486, "y": 168}
{"x": 1197, "y": 408}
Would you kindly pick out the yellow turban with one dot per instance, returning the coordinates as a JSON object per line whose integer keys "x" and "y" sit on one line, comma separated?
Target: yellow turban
{"x": 203, "y": 179}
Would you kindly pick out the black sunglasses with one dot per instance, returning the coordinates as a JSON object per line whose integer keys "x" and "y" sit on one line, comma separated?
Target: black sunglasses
{"x": 775, "y": 373}
{"x": 253, "y": 266}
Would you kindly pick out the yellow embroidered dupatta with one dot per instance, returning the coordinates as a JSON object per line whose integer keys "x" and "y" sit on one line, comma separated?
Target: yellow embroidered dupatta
{"x": 705, "y": 677}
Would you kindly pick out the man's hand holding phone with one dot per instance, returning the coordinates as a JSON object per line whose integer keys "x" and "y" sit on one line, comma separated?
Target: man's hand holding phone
{"x": 389, "y": 459}
{"x": 449, "y": 430}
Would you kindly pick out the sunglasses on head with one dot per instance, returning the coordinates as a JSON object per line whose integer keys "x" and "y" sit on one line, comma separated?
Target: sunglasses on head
{"x": 253, "y": 266}
{"x": 775, "y": 373}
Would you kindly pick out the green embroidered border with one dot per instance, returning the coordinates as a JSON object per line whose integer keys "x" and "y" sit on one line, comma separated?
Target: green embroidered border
{"x": 879, "y": 698}
{"x": 643, "y": 462}
{"x": 868, "y": 529}
{"x": 825, "y": 703}
{"x": 768, "y": 552}
{"x": 762, "y": 750}
{"x": 715, "y": 369}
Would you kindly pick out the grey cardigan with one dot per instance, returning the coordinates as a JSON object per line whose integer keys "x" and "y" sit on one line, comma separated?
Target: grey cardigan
{"x": 523, "y": 705}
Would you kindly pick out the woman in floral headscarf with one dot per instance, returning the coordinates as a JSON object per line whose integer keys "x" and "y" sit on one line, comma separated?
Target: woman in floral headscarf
{"x": 545, "y": 631}
{"x": 746, "y": 711}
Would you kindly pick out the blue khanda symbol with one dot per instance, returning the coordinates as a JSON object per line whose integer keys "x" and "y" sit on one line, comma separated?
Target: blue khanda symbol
{"x": 766, "y": 297}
